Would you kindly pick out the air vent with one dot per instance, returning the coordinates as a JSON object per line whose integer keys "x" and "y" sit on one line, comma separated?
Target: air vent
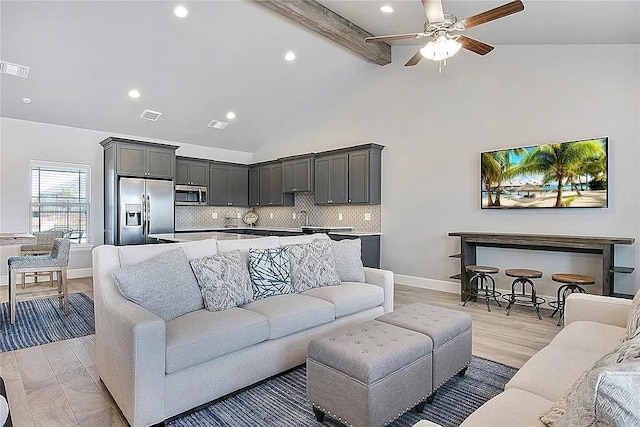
{"x": 217, "y": 124}
{"x": 150, "y": 115}
{"x": 14, "y": 69}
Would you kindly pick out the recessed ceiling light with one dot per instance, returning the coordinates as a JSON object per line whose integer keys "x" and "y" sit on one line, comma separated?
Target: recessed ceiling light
{"x": 386, "y": 9}
{"x": 26, "y": 100}
{"x": 231, "y": 115}
{"x": 180, "y": 11}
{"x": 133, "y": 93}
{"x": 289, "y": 56}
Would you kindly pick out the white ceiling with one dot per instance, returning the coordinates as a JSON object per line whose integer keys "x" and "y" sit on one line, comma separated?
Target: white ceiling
{"x": 228, "y": 55}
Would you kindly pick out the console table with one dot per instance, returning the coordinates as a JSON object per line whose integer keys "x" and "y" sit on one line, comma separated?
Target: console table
{"x": 14, "y": 239}
{"x": 603, "y": 246}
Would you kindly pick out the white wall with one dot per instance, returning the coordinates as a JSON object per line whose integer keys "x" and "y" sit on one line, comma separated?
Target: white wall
{"x": 435, "y": 125}
{"x": 22, "y": 141}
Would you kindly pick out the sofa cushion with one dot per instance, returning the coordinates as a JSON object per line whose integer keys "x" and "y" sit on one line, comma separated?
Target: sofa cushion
{"x": 204, "y": 335}
{"x": 565, "y": 365}
{"x": 270, "y": 272}
{"x": 164, "y": 285}
{"x": 223, "y": 279}
{"x": 347, "y": 254}
{"x": 349, "y": 297}
{"x": 292, "y": 313}
{"x": 602, "y": 338}
{"x": 130, "y": 255}
{"x": 312, "y": 265}
{"x": 513, "y": 408}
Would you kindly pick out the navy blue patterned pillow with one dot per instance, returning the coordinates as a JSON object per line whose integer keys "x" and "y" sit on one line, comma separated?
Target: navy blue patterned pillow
{"x": 270, "y": 272}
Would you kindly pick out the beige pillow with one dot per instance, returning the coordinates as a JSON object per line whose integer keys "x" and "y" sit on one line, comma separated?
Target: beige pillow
{"x": 633, "y": 322}
{"x": 576, "y": 407}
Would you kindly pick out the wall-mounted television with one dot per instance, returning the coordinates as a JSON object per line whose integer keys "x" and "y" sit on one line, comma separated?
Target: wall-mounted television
{"x": 561, "y": 175}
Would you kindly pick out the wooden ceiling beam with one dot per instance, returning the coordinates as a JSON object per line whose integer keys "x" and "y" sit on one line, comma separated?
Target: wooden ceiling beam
{"x": 316, "y": 17}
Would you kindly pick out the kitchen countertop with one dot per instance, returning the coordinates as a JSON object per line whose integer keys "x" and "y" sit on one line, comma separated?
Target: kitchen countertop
{"x": 290, "y": 230}
{"x": 193, "y": 236}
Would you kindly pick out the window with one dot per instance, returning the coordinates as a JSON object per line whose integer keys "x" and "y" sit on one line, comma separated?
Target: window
{"x": 60, "y": 199}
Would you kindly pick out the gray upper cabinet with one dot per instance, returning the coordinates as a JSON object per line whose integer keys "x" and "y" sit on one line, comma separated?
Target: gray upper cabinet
{"x": 349, "y": 176}
{"x": 144, "y": 159}
{"x": 192, "y": 172}
{"x": 228, "y": 185}
{"x": 297, "y": 174}
{"x": 270, "y": 186}
{"x": 254, "y": 186}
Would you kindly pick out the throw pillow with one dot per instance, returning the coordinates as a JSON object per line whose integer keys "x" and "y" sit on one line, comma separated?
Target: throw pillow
{"x": 617, "y": 401}
{"x": 164, "y": 285}
{"x": 347, "y": 254}
{"x": 270, "y": 272}
{"x": 224, "y": 280}
{"x": 572, "y": 410}
{"x": 633, "y": 322}
{"x": 312, "y": 265}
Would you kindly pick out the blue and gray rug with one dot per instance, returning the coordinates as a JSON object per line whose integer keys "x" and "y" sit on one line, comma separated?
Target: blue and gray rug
{"x": 41, "y": 321}
{"x": 281, "y": 402}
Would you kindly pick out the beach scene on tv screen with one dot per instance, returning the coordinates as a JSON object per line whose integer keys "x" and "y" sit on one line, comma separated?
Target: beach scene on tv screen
{"x": 569, "y": 174}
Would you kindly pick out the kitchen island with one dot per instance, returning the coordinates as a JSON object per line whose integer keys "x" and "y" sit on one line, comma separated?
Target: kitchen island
{"x": 200, "y": 235}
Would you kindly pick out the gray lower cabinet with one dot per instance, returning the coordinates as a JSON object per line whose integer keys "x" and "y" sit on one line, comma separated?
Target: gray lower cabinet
{"x": 349, "y": 176}
{"x": 370, "y": 248}
{"x": 228, "y": 184}
{"x": 297, "y": 174}
{"x": 140, "y": 159}
{"x": 192, "y": 172}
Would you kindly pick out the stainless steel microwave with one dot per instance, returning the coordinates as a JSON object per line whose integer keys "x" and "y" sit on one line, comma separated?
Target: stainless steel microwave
{"x": 187, "y": 195}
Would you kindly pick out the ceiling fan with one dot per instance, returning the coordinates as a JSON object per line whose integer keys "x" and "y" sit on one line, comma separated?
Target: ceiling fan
{"x": 442, "y": 31}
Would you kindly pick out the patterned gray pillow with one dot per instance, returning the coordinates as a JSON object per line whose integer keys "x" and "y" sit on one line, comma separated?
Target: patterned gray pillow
{"x": 224, "y": 280}
{"x": 347, "y": 254}
{"x": 164, "y": 285}
{"x": 633, "y": 322}
{"x": 270, "y": 272}
{"x": 312, "y": 265}
{"x": 617, "y": 402}
{"x": 576, "y": 408}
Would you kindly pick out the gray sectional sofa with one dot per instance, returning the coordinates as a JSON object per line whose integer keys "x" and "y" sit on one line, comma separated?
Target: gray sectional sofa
{"x": 155, "y": 369}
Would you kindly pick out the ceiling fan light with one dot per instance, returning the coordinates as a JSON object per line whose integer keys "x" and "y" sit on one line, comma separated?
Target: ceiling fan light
{"x": 441, "y": 49}
{"x": 429, "y": 50}
{"x": 453, "y": 47}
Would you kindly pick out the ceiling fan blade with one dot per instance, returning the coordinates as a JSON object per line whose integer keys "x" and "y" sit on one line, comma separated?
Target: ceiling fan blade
{"x": 433, "y": 9}
{"x": 414, "y": 60}
{"x": 475, "y": 46}
{"x": 391, "y": 37}
{"x": 493, "y": 14}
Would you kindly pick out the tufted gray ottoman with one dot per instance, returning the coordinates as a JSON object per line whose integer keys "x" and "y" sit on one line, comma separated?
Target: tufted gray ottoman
{"x": 449, "y": 330}
{"x": 369, "y": 374}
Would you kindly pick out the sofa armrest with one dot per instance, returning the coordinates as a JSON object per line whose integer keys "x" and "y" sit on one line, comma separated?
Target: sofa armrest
{"x": 596, "y": 308}
{"x": 130, "y": 346}
{"x": 384, "y": 279}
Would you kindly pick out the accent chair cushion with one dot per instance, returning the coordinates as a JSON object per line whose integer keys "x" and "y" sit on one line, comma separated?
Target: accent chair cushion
{"x": 312, "y": 265}
{"x": 349, "y": 297}
{"x": 224, "y": 280}
{"x": 164, "y": 285}
{"x": 347, "y": 254}
{"x": 270, "y": 272}
{"x": 633, "y": 322}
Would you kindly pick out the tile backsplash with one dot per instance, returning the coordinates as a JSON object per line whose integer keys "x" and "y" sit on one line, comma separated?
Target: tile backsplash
{"x": 200, "y": 217}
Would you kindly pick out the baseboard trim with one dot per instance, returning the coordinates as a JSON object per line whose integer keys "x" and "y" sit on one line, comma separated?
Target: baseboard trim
{"x": 453, "y": 287}
{"x": 76, "y": 273}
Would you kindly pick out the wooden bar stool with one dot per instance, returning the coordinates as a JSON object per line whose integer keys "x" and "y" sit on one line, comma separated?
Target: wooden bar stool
{"x": 481, "y": 277}
{"x": 571, "y": 283}
{"x": 523, "y": 278}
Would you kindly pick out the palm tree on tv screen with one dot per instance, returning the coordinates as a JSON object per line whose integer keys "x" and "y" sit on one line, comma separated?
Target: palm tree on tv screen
{"x": 496, "y": 167}
{"x": 558, "y": 162}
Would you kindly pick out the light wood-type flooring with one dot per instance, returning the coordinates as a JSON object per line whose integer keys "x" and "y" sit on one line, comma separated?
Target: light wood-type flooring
{"x": 57, "y": 384}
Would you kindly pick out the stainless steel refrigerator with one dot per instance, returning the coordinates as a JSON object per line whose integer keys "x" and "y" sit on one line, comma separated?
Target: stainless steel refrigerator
{"x": 145, "y": 206}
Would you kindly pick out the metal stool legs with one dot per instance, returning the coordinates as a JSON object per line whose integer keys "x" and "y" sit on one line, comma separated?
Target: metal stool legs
{"x": 520, "y": 297}
{"x": 559, "y": 304}
{"x": 481, "y": 289}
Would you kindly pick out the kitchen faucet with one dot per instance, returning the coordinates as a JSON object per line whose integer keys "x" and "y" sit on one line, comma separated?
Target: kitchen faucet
{"x": 306, "y": 218}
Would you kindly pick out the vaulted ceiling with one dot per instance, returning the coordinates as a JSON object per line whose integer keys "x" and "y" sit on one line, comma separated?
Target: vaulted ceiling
{"x": 229, "y": 56}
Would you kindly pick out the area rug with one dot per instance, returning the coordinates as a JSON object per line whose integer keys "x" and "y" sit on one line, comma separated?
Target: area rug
{"x": 41, "y": 321}
{"x": 281, "y": 401}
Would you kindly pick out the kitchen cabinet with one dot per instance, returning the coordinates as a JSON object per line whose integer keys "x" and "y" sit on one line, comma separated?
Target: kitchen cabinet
{"x": 254, "y": 186}
{"x": 192, "y": 172}
{"x": 297, "y": 174}
{"x": 370, "y": 252}
{"x": 228, "y": 184}
{"x": 147, "y": 160}
{"x": 270, "y": 186}
{"x": 349, "y": 176}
